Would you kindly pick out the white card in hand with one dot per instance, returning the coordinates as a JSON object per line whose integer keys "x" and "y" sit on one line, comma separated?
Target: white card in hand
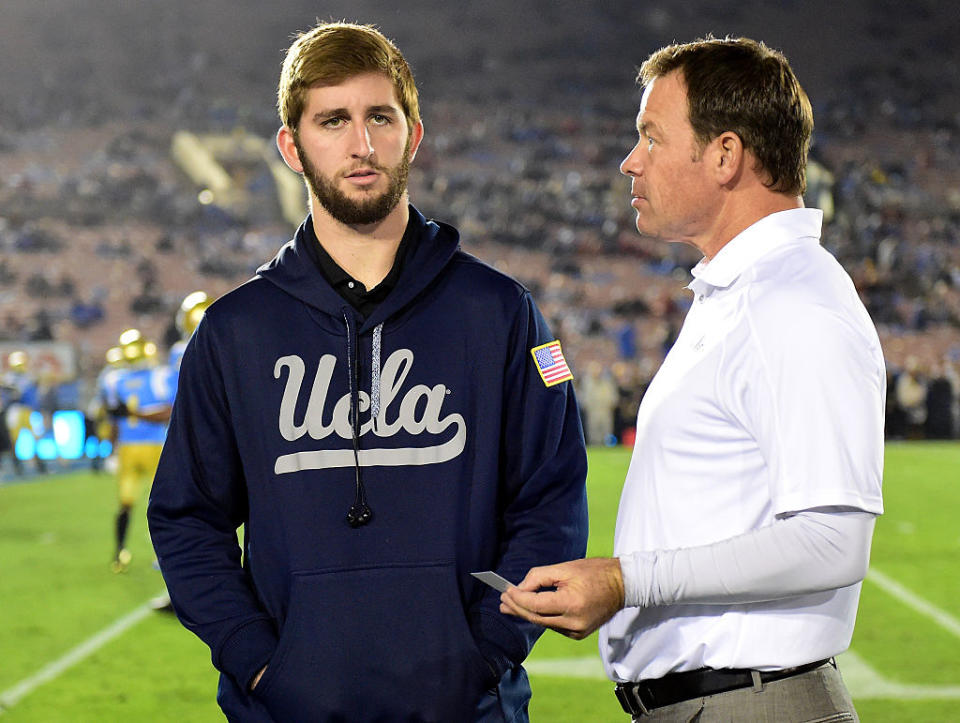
{"x": 493, "y": 580}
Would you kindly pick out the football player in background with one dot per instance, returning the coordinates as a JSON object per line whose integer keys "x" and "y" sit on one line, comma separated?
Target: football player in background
{"x": 22, "y": 398}
{"x": 104, "y": 424}
{"x": 138, "y": 396}
{"x": 188, "y": 316}
{"x": 9, "y": 396}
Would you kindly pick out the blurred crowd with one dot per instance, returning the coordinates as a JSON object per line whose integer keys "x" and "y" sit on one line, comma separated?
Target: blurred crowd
{"x": 100, "y": 230}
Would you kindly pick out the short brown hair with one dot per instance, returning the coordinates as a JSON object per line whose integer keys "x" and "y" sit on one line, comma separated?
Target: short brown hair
{"x": 741, "y": 85}
{"x": 331, "y": 53}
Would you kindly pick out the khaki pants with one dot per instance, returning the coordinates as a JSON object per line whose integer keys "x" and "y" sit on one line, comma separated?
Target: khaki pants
{"x": 819, "y": 696}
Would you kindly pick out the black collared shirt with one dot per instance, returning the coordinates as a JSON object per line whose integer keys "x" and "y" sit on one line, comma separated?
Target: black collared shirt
{"x": 353, "y": 291}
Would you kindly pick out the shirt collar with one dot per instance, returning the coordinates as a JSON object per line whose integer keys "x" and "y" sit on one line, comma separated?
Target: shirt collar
{"x": 337, "y": 277}
{"x": 328, "y": 267}
{"x": 754, "y": 242}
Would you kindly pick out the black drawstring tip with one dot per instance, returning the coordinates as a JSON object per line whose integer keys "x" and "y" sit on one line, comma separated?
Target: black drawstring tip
{"x": 359, "y": 514}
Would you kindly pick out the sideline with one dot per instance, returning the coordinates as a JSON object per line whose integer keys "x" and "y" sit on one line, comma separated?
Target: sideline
{"x": 14, "y": 695}
{"x": 914, "y": 601}
{"x": 863, "y": 682}
{"x": 11, "y": 479}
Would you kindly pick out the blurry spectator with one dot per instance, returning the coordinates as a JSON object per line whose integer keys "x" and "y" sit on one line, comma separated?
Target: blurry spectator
{"x": 13, "y": 328}
{"x": 627, "y": 341}
{"x": 84, "y": 314}
{"x": 599, "y": 400}
{"x": 911, "y": 396}
{"x": 7, "y": 275}
{"x": 41, "y": 328}
{"x": 895, "y": 422}
{"x": 952, "y": 374}
{"x": 940, "y": 422}
{"x": 630, "y": 390}
{"x": 147, "y": 302}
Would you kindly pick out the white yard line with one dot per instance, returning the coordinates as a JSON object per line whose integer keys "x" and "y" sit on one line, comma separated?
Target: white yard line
{"x": 590, "y": 668}
{"x": 12, "y": 696}
{"x": 863, "y": 681}
{"x": 913, "y": 601}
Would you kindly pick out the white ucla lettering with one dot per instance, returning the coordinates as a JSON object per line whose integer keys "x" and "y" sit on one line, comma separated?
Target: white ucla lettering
{"x": 427, "y": 401}
{"x": 288, "y": 428}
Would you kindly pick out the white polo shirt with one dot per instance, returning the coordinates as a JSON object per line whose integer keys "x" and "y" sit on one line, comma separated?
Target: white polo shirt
{"x": 771, "y": 401}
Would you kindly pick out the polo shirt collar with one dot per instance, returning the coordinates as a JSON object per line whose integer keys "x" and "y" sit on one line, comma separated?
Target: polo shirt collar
{"x": 355, "y": 293}
{"x": 754, "y": 242}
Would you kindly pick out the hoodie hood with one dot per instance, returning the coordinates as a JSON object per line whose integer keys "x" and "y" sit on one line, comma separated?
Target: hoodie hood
{"x": 293, "y": 270}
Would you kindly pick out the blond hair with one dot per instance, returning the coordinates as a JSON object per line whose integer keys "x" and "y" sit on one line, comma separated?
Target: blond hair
{"x": 331, "y": 53}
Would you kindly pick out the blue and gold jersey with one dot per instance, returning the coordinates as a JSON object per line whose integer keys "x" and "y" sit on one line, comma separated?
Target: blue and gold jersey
{"x": 142, "y": 390}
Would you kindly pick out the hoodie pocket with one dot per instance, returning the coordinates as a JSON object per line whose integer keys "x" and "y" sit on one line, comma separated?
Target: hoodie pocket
{"x": 388, "y": 643}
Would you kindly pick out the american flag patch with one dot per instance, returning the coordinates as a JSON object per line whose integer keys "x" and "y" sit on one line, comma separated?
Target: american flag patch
{"x": 551, "y": 364}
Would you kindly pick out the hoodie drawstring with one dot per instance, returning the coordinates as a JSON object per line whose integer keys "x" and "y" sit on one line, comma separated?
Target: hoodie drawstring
{"x": 359, "y": 513}
{"x": 375, "y": 379}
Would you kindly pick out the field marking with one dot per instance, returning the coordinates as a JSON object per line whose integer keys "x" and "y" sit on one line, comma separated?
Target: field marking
{"x": 590, "y": 668}
{"x": 914, "y": 601}
{"x": 865, "y": 682}
{"x": 862, "y": 680}
{"x": 14, "y": 695}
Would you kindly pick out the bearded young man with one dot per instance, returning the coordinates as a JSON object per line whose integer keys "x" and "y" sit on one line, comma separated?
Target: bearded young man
{"x": 384, "y": 415}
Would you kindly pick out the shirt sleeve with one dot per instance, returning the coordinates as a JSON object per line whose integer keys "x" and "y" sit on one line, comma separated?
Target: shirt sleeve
{"x": 802, "y": 554}
{"x": 807, "y": 382}
{"x": 197, "y": 503}
{"x": 544, "y": 520}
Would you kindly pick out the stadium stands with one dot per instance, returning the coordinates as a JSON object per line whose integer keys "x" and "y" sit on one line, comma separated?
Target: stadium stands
{"x": 104, "y": 225}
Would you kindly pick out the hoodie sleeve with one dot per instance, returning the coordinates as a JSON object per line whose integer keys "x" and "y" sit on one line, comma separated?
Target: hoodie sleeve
{"x": 543, "y": 472}
{"x": 197, "y": 503}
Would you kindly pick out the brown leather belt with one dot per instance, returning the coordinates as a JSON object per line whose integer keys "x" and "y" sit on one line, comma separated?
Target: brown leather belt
{"x": 642, "y": 697}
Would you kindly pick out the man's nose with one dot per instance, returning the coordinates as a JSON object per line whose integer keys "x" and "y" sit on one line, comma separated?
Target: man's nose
{"x": 362, "y": 143}
{"x": 631, "y": 165}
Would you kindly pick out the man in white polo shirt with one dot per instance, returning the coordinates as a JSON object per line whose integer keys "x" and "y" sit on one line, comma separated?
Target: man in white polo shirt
{"x": 745, "y": 523}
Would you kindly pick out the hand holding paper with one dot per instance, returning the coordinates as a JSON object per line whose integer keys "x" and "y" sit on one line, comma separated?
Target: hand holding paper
{"x": 584, "y": 595}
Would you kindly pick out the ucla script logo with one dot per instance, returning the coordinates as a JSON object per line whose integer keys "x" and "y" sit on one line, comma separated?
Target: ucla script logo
{"x": 318, "y": 423}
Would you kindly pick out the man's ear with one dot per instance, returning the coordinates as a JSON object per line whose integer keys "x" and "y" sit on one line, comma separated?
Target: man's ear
{"x": 288, "y": 149}
{"x": 416, "y": 135}
{"x": 728, "y": 157}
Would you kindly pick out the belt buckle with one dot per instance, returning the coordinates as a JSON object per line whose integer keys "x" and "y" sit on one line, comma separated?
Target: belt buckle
{"x": 629, "y": 696}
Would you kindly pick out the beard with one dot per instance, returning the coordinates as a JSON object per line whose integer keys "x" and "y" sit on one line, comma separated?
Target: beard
{"x": 357, "y": 212}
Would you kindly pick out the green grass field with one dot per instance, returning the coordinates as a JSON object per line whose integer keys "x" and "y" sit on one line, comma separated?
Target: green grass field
{"x": 77, "y": 642}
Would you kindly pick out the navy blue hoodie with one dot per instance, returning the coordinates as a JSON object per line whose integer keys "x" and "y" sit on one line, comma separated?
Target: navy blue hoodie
{"x": 467, "y": 459}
